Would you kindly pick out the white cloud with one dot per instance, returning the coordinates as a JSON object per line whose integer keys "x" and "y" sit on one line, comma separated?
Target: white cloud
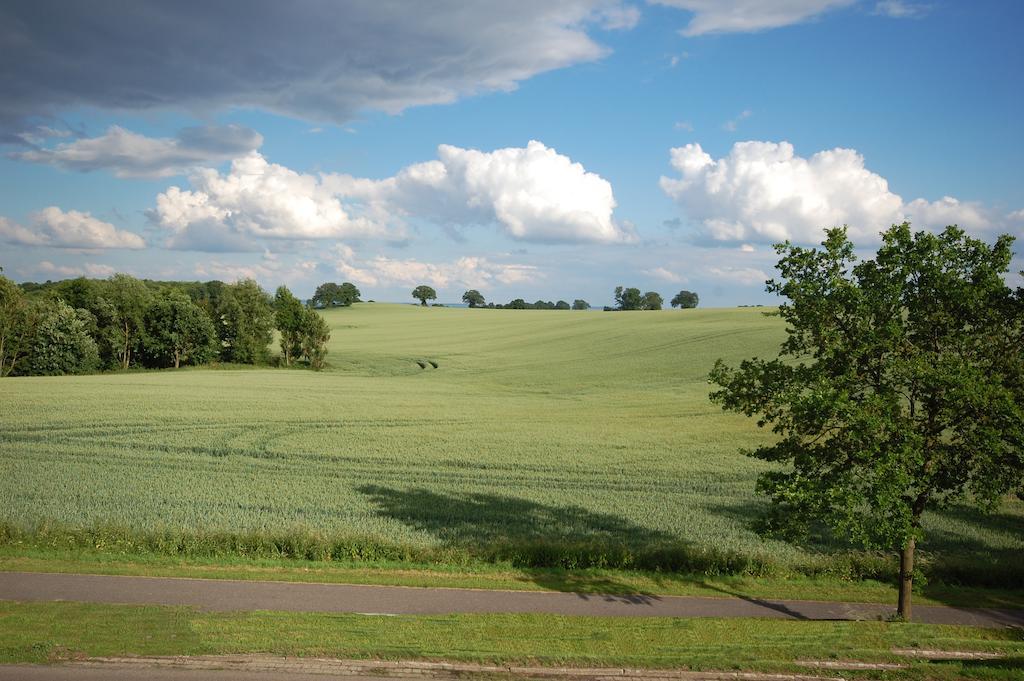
{"x": 323, "y": 62}
{"x": 73, "y": 229}
{"x": 731, "y": 16}
{"x": 731, "y": 125}
{"x": 947, "y": 211}
{"x": 469, "y": 271}
{"x": 93, "y": 270}
{"x": 684, "y": 125}
{"x": 664, "y": 275}
{"x": 618, "y": 17}
{"x": 533, "y": 193}
{"x": 1017, "y": 215}
{"x": 745, "y": 276}
{"x": 900, "y": 9}
{"x": 762, "y": 192}
{"x": 254, "y": 200}
{"x": 130, "y": 154}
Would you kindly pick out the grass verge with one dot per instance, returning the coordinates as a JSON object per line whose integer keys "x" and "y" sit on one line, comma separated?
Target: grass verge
{"x": 47, "y": 632}
{"x": 495, "y": 577}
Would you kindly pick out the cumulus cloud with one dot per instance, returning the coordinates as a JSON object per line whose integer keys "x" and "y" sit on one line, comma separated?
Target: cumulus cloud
{"x": 72, "y": 229}
{"x": 318, "y": 61}
{"x": 253, "y": 200}
{"x": 948, "y": 211}
{"x": 732, "y": 16}
{"x": 468, "y": 271}
{"x": 533, "y": 193}
{"x": 762, "y": 192}
{"x": 129, "y": 154}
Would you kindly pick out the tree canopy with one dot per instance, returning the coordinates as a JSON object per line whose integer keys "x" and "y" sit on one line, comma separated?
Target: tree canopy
{"x": 330, "y": 294}
{"x": 899, "y": 388}
{"x": 473, "y": 298}
{"x": 424, "y": 293}
{"x": 632, "y": 299}
{"x": 685, "y": 299}
{"x": 580, "y": 304}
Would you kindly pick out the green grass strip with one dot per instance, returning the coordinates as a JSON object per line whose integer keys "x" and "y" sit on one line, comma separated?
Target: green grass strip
{"x": 43, "y": 632}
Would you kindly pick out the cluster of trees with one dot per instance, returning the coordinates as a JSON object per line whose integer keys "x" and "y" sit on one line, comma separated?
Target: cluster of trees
{"x": 625, "y": 299}
{"x": 330, "y": 294}
{"x": 474, "y": 298}
{"x": 81, "y": 325}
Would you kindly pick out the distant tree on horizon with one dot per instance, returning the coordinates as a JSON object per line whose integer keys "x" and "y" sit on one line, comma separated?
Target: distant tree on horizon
{"x": 423, "y": 293}
{"x": 330, "y": 294}
{"x": 473, "y": 298}
{"x": 685, "y": 300}
{"x": 580, "y": 304}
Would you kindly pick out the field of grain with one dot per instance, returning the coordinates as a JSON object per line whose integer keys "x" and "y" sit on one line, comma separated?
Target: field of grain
{"x": 536, "y": 427}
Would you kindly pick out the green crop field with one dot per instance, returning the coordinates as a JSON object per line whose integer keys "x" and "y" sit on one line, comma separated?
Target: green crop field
{"x": 538, "y": 430}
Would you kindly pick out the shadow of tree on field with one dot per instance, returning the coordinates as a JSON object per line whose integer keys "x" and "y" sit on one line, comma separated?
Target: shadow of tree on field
{"x": 553, "y": 544}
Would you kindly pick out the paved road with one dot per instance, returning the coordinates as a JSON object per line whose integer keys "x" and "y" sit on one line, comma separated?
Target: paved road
{"x": 229, "y": 595}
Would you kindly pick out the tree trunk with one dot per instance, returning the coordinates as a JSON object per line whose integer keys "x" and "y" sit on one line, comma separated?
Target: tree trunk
{"x": 177, "y": 359}
{"x": 906, "y": 579}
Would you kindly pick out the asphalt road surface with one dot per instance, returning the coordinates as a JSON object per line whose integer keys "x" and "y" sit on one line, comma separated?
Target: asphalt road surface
{"x": 232, "y": 595}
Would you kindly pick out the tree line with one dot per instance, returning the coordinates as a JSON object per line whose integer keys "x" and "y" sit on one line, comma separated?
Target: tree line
{"x": 625, "y": 299}
{"x": 82, "y": 325}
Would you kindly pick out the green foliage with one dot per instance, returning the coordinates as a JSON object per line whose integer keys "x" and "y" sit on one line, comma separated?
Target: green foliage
{"x": 632, "y": 299}
{"x": 899, "y": 389}
{"x": 652, "y": 301}
{"x": 178, "y": 331}
{"x": 580, "y": 304}
{"x": 119, "y": 307}
{"x": 246, "y": 322}
{"x": 289, "y": 316}
{"x": 314, "y": 336}
{"x": 18, "y": 321}
{"x": 61, "y": 343}
{"x": 685, "y": 299}
{"x": 423, "y": 294}
{"x": 473, "y": 298}
{"x": 330, "y": 294}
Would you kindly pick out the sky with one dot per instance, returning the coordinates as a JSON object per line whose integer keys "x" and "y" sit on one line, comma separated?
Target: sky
{"x": 530, "y": 150}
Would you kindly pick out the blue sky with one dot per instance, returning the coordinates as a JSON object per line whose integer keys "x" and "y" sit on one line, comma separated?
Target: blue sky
{"x": 538, "y": 150}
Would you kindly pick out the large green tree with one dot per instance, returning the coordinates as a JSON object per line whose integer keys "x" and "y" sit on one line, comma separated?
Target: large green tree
{"x": 18, "y": 320}
{"x": 685, "y": 299}
{"x": 61, "y": 343}
{"x": 120, "y": 308}
{"x": 652, "y": 300}
{"x": 289, "y": 315}
{"x": 899, "y": 388}
{"x": 330, "y": 294}
{"x": 246, "y": 321}
{"x": 473, "y": 298}
{"x": 628, "y": 298}
{"x": 178, "y": 331}
{"x": 315, "y": 335}
{"x": 424, "y": 293}
{"x": 580, "y": 304}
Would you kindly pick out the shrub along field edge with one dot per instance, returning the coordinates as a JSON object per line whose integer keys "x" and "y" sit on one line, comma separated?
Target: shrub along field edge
{"x": 664, "y": 558}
